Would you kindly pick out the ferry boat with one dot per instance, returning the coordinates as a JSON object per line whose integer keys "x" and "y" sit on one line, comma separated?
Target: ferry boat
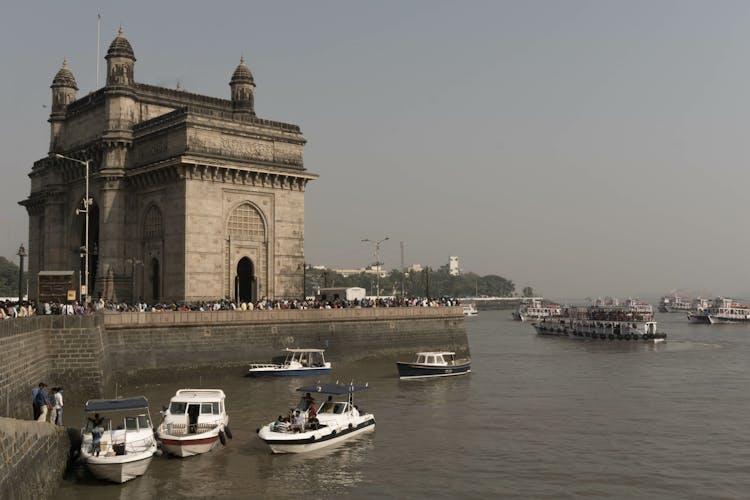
{"x": 535, "y": 310}
{"x": 674, "y": 303}
{"x": 697, "y": 313}
{"x": 336, "y": 420}
{"x": 722, "y": 310}
{"x": 195, "y": 422}
{"x": 126, "y": 438}
{"x": 433, "y": 364}
{"x": 632, "y": 321}
{"x": 298, "y": 362}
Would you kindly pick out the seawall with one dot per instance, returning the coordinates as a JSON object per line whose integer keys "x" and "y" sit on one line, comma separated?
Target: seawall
{"x": 34, "y": 456}
{"x": 85, "y": 353}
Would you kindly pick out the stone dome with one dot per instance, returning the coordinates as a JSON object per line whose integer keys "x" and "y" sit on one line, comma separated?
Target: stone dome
{"x": 242, "y": 74}
{"x": 120, "y": 47}
{"x": 64, "y": 78}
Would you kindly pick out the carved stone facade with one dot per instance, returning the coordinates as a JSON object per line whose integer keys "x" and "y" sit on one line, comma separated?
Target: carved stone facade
{"x": 193, "y": 197}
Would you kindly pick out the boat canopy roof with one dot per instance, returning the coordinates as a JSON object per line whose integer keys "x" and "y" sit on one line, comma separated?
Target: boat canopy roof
{"x": 436, "y": 353}
{"x": 333, "y": 388}
{"x": 201, "y": 395}
{"x": 304, "y": 350}
{"x": 134, "y": 403}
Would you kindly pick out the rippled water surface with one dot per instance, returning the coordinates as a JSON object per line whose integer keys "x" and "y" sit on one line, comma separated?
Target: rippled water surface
{"x": 539, "y": 417}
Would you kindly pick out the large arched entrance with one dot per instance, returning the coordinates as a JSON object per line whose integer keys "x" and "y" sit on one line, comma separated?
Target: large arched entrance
{"x": 154, "y": 268}
{"x": 93, "y": 247}
{"x": 244, "y": 281}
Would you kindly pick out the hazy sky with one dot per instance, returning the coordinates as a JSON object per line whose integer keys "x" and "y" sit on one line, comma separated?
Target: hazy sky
{"x": 579, "y": 147}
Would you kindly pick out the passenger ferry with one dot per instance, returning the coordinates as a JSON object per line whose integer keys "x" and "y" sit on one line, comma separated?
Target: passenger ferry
{"x": 633, "y": 320}
{"x": 722, "y": 310}
{"x": 536, "y": 309}
{"x": 674, "y": 303}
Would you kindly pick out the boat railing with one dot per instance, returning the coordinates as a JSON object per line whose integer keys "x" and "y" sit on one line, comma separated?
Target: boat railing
{"x": 183, "y": 429}
{"x": 263, "y": 365}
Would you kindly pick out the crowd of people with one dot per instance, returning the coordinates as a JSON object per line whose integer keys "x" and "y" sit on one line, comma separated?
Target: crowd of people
{"x": 14, "y": 309}
{"x": 47, "y": 405}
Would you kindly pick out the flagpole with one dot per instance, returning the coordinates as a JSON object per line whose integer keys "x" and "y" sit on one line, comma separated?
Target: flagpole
{"x": 98, "y": 31}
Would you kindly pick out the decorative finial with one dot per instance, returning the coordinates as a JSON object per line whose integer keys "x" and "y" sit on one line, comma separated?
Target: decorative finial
{"x": 65, "y": 64}
{"x": 179, "y": 87}
{"x": 121, "y": 31}
{"x": 242, "y": 58}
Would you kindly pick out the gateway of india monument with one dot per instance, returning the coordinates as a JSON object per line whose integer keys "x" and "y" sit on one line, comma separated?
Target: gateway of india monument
{"x": 191, "y": 197}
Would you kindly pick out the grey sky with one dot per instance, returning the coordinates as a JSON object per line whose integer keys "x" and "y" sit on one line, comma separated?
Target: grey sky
{"x": 580, "y": 147}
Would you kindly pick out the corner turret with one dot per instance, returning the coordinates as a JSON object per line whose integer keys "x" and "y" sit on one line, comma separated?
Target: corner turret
{"x": 64, "y": 89}
{"x": 120, "y": 62}
{"x": 243, "y": 88}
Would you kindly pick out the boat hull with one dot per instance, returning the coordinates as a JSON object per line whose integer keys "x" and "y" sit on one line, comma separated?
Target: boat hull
{"x": 312, "y": 440}
{"x": 119, "y": 468}
{"x": 180, "y": 446}
{"x": 415, "y": 370}
{"x": 283, "y": 372}
{"x": 720, "y": 320}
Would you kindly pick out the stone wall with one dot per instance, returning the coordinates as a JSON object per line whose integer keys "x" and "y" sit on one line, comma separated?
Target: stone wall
{"x": 84, "y": 353}
{"x": 173, "y": 340}
{"x": 33, "y": 458}
{"x": 58, "y": 350}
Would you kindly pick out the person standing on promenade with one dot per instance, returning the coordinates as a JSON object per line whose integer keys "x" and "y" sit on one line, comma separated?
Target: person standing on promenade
{"x": 59, "y": 406}
{"x": 42, "y": 401}
{"x": 53, "y": 406}
{"x": 34, "y": 392}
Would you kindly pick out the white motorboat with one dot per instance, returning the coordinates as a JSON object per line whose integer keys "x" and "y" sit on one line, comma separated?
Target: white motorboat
{"x": 337, "y": 420}
{"x": 298, "y": 362}
{"x": 195, "y": 422}
{"x": 470, "y": 310}
{"x": 433, "y": 364}
{"x": 127, "y": 442}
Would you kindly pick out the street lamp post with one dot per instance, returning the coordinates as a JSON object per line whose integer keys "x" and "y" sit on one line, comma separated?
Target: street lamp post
{"x": 21, "y": 254}
{"x": 86, "y": 204}
{"x": 377, "y": 261}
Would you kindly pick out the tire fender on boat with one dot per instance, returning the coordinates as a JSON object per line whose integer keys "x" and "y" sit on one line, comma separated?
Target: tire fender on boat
{"x": 229, "y": 433}
{"x": 333, "y": 432}
{"x": 312, "y": 438}
{"x": 222, "y": 438}
{"x": 351, "y": 426}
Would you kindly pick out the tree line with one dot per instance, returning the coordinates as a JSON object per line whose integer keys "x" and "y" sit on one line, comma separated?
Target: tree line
{"x": 427, "y": 282}
{"x": 9, "y": 278}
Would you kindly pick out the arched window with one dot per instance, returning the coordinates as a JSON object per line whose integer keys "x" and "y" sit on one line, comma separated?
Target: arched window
{"x": 152, "y": 227}
{"x": 245, "y": 223}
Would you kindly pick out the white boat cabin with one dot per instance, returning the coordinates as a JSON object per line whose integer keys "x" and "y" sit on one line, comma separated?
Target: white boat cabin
{"x": 195, "y": 410}
{"x": 445, "y": 358}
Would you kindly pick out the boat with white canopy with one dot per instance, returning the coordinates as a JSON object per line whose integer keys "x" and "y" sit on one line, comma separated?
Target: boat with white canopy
{"x": 297, "y": 362}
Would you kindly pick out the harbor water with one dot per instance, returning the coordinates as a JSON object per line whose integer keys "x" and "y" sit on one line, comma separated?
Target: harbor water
{"x": 539, "y": 417}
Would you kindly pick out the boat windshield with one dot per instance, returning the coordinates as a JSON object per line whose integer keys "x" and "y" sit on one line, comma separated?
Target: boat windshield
{"x": 177, "y": 408}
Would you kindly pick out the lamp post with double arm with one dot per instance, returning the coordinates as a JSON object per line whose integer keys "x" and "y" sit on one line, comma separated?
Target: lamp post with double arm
{"x": 87, "y": 202}
{"x": 377, "y": 261}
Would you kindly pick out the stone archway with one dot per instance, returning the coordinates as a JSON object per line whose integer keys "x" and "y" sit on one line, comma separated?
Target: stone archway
{"x": 155, "y": 279}
{"x": 244, "y": 281}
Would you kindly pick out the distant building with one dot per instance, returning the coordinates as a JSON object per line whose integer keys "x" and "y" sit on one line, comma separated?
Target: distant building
{"x": 194, "y": 197}
{"x": 453, "y": 269}
{"x": 415, "y": 268}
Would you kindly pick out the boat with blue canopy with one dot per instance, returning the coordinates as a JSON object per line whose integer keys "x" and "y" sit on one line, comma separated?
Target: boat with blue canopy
{"x": 117, "y": 441}
{"x": 309, "y": 427}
